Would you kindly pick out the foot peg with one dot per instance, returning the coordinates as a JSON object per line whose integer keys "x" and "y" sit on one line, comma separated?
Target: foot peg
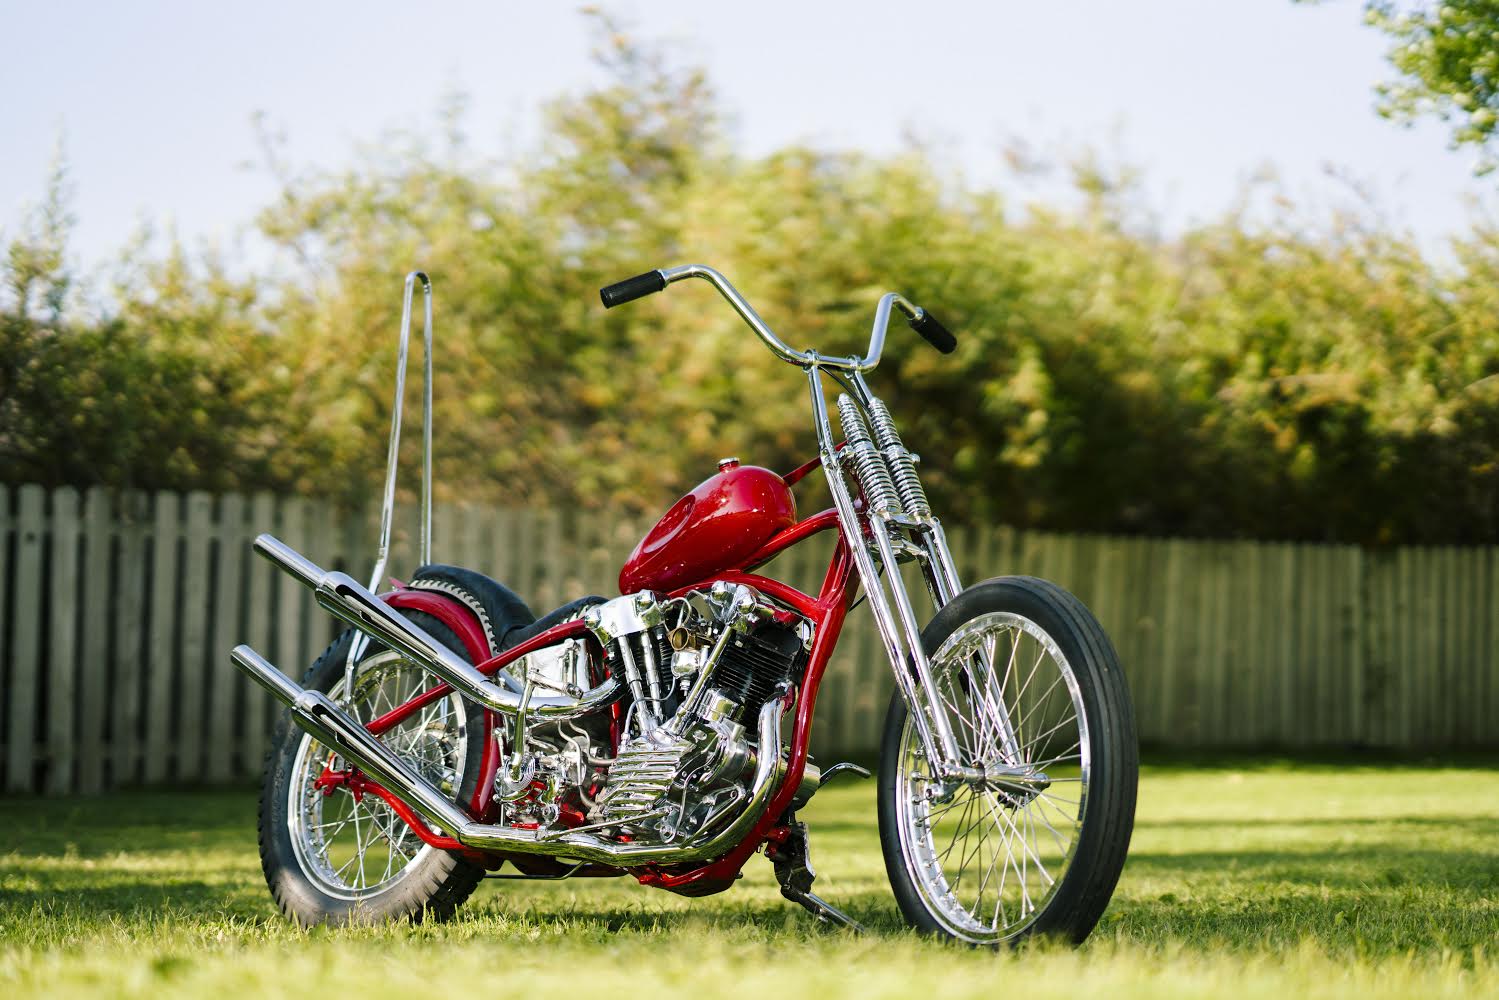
{"x": 793, "y": 865}
{"x": 844, "y": 768}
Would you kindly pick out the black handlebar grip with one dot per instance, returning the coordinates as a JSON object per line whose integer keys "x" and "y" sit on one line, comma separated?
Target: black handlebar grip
{"x": 632, "y": 288}
{"x": 935, "y": 333}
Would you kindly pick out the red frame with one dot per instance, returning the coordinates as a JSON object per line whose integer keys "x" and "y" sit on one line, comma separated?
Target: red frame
{"x": 826, "y": 611}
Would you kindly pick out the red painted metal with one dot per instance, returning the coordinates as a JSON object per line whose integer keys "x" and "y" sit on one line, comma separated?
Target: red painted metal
{"x": 450, "y": 612}
{"x": 489, "y": 766}
{"x": 406, "y": 709}
{"x": 799, "y": 473}
{"x": 358, "y": 784}
{"x": 566, "y": 630}
{"x": 713, "y": 552}
{"x": 456, "y": 616}
{"x": 800, "y": 531}
{"x": 717, "y": 526}
{"x": 418, "y": 825}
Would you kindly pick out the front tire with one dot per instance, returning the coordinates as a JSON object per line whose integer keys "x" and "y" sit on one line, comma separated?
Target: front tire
{"x": 330, "y": 857}
{"x": 1034, "y": 846}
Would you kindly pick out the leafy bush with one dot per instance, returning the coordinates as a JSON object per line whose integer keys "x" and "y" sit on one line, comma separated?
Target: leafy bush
{"x": 1267, "y": 379}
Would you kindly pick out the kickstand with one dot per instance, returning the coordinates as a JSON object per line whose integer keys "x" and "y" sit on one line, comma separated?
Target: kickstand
{"x": 793, "y": 865}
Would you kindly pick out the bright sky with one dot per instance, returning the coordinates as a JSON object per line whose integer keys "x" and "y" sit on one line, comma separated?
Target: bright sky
{"x": 155, "y": 99}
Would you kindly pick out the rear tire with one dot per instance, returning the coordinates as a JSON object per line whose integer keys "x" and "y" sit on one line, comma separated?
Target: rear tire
{"x": 992, "y": 861}
{"x": 315, "y": 875}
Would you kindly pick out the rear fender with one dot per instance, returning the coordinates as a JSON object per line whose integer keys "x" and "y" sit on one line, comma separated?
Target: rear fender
{"x": 451, "y": 612}
{"x": 466, "y": 625}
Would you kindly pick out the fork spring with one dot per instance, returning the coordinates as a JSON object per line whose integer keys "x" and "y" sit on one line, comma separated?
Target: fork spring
{"x": 870, "y": 468}
{"x": 902, "y": 464}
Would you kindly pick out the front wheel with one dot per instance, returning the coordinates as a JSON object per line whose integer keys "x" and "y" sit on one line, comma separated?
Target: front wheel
{"x": 1031, "y": 837}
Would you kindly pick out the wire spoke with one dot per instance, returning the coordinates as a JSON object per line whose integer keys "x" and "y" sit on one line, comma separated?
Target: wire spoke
{"x": 360, "y": 846}
{"x": 960, "y": 828}
{"x": 1000, "y": 679}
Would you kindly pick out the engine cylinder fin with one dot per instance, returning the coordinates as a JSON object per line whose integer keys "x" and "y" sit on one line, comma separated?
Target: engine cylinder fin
{"x": 754, "y": 664}
{"x": 640, "y": 776}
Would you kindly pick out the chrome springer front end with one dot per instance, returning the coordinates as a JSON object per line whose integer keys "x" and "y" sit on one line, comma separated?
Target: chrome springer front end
{"x": 901, "y": 524}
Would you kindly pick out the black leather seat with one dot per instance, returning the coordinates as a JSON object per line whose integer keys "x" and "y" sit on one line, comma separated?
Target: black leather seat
{"x": 567, "y": 612}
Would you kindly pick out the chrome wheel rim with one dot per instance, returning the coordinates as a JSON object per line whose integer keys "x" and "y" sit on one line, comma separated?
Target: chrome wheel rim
{"x": 354, "y": 848}
{"x": 987, "y": 856}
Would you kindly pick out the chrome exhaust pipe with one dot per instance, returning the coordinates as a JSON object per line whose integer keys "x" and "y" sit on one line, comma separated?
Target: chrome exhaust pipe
{"x": 318, "y": 715}
{"x": 341, "y": 596}
{"x": 331, "y": 726}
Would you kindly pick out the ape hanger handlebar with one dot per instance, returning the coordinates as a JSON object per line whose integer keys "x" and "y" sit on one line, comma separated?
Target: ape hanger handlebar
{"x": 920, "y": 320}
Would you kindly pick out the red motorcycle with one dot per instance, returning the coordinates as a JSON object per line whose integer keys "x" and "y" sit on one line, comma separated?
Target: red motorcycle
{"x": 451, "y": 732}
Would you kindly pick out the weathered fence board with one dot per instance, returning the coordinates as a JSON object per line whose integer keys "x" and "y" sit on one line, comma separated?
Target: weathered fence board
{"x": 26, "y": 640}
{"x": 131, "y": 654}
{"x": 191, "y": 705}
{"x": 227, "y": 632}
{"x": 117, "y": 613}
{"x": 262, "y": 579}
{"x": 6, "y": 670}
{"x": 160, "y": 661}
{"x": 61, "y": 677}
{"x": 93, "y": 663}
{"x": 291, "y": 596}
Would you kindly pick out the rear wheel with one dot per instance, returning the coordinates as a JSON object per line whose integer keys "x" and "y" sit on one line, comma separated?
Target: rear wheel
{"x": 336, "y": 856}
{"x": 1032, "y": 839}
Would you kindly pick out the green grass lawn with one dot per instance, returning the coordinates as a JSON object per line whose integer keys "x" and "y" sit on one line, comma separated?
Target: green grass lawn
{"x": 1245, "y": 879}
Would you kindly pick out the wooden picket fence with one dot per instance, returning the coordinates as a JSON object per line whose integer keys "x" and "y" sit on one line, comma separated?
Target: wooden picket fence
{"x": 117, "y": 611}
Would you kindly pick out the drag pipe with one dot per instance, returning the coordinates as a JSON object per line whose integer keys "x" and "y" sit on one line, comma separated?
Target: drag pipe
{"x": 330, "y": 725}
{"x": 343, "y": 597}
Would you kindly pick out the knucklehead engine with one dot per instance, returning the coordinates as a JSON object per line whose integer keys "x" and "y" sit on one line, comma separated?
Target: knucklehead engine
{"x": 697, "y": 669}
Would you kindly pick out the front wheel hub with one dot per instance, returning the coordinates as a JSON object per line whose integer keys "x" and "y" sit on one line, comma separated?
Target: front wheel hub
{"x": 1016, "y": 785}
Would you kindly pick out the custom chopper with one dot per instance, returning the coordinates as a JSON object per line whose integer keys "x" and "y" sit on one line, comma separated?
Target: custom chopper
{"x": 452, "y": 735}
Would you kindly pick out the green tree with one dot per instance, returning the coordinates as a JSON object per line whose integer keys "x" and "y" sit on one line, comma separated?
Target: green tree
{"x": 1448, "y": 58}
{"x": 165, "y": 392}
{"x": 1266, "y": 376}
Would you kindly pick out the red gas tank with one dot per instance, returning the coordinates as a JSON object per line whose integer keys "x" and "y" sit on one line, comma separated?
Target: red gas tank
{"x": 716, "y": 527}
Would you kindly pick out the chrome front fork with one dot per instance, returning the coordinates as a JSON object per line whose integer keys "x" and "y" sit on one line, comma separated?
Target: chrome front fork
{"x": 895, "y": 619}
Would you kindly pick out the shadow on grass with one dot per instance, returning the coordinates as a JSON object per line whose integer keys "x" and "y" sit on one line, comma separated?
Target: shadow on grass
{"x": 1353, "y": 918}
{"x": 1392, "y": 884}
{"x": 138, "y": 899}
{"x": 1487, "y": 825}
{"x": 1367, "y": 866}
{"x": 1333, "y": 760}
{"x": 1260, "y": 903}
{"x": 876, "y": 911}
